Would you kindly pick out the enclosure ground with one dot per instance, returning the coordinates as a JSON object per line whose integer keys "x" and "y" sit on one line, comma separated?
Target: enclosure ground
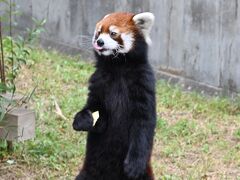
{"x": 196, "y": 137}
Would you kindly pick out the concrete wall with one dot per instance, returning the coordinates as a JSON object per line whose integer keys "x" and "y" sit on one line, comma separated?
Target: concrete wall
{"x": 195, "y": 42}
{"x": 199, "y": 40}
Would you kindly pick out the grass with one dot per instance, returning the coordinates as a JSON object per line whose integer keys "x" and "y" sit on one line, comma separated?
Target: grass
{"x": 196, "y": 137}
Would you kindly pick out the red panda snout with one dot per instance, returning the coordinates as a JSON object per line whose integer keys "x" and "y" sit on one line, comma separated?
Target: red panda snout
{"x": 112, "y": 42}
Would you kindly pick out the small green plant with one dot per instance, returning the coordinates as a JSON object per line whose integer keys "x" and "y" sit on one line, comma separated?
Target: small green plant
{"x": 34, "y": 33}
{"x": 15, "y": 52}
{"x": 237, "y": 134}
{"x": 182, "y": 128}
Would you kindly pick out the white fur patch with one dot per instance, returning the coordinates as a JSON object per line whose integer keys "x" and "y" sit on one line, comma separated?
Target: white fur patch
{"x": 109, "y": 43}
{"x": 93, "y": 38}
{"x": 106, "y": 16}
{"x": 127, "y": 42}
{"x": 99, "y": 28}
{"x": 145, "y": 22}
{"x": 114, "y": 29}
{"x": 107, "y": 52}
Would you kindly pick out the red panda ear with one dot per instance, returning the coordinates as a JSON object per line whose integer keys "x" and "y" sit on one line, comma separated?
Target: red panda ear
{"x": 144, "y": 21}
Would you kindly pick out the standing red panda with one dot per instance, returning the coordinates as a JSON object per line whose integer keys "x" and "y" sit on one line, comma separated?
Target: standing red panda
{"x": 122, "y": 90}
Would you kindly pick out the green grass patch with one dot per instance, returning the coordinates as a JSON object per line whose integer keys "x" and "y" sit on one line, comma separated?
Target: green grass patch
{"x": 195, "y": 137}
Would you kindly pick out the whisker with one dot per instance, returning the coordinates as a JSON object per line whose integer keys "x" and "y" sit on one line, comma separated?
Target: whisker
{"x": 84, "y": 36}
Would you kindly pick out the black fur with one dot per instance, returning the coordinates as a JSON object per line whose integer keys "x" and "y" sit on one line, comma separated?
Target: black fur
{"x": 122, "y": 89}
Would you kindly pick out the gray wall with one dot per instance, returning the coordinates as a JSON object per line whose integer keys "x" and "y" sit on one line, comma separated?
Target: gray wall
{"x": 195, "y": 42}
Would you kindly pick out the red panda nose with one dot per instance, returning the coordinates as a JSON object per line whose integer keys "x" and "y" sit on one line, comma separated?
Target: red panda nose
{"x": 100, "y": 42}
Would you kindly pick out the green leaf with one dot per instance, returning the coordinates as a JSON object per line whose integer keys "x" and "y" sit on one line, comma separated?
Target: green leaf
{"x": 22, "y": 60}
{"x": 3, "y": 87}
{"x": 26, "y": 51}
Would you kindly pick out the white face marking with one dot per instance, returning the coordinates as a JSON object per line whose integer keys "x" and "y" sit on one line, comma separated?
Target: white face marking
{"x": 109, "y": 43}
{"x": 107, "y": 52}
{"x": 111, "y": 46}
{"x": 93, "y": 38}
{"x": 99, "y": 28}
{"x": 114, "y": 29}
{"x": 127, "y": 42}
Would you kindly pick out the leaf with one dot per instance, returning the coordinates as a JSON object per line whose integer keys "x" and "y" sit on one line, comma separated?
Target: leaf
{"x": 43, "y": 22}
{"x": 2, "y": 114}
{"x": 26, "y": 51}
{"x": 22, "y": 60}
{"x": 10, "y": 58}
{"x": 3, "y": 87}
{"x": 59, "y": 111}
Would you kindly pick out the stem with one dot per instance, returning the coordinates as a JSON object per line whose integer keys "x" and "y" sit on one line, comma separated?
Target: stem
{"x": 10, "y": 34}
{"x": 2, "y": 66}
{"x": 10, "y": 146}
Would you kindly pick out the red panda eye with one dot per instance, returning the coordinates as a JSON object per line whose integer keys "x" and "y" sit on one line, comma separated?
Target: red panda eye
{"x": 113, "y": 34}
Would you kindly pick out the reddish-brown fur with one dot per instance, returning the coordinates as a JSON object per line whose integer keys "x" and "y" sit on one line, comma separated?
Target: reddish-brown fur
{"x": 123, "y": 21}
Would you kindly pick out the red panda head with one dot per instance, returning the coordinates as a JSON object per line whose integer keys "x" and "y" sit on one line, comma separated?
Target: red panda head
{"x": 116, "y": 32}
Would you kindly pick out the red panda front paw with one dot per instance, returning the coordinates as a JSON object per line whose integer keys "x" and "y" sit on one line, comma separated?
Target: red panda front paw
{"x": 83, "y": 121}
{"x": 134, "y": 168}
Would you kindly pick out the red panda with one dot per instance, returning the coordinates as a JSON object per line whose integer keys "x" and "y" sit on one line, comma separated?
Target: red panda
{"x": 122, "y": 90}
{"x": 117, "y": 32}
